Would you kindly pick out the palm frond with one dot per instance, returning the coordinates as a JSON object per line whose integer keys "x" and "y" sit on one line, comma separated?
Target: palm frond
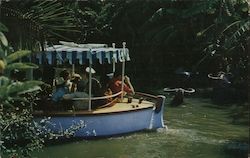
{"x": 205, "y": 30}
{"x": 163, "y": 34}
{"x": 232, "y": 24}
{"x": 42, "y": 19}
{"x": 203, "y": 7}
{"x": 162, "y": 13}
{"x": 238, "y": 34}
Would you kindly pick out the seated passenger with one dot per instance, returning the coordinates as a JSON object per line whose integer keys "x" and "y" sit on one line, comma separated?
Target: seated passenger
{"x": 75, "y": 80}
{"x": 66, "y": 76}
{"x": 61, "y": 89}
{"x": 116, "y": 84}
{"x": 106, "y": 91}
{"x": 63, "y": 85}
{"x": 78, "y": 104}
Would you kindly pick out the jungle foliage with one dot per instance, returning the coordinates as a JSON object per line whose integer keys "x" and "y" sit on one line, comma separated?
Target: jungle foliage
{"x": 19, "y": 133}
{"x": 18, "y": 136}
{"x": 162, "y": 35}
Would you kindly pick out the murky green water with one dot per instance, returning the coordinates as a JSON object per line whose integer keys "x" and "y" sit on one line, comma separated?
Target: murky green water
{"x": 197, "y": 129}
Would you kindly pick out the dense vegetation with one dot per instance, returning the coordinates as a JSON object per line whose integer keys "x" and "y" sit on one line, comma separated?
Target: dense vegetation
{"x": 163, "y": 36}
{"x": 17, "y": 132}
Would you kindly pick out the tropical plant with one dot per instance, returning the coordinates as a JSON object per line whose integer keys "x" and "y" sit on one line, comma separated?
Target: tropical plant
{"x": 19, "y": 133}
{"x": 38, "y": 21}
{"x": 218, "y": 25}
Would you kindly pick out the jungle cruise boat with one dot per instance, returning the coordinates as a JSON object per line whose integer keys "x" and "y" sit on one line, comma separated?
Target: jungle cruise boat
{"x": 126, "y": 114}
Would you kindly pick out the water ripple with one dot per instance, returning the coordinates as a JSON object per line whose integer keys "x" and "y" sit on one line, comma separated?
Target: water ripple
{"x": 193, "y": 136}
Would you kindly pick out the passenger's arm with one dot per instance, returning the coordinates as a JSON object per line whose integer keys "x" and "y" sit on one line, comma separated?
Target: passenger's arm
{"x": 127, "y": 81}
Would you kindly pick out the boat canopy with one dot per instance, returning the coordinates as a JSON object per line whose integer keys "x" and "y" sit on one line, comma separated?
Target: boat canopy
{"x": 80, "y": 54}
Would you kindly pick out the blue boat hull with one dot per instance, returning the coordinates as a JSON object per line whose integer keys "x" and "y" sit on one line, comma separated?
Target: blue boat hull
{"x": 113, "y": 123}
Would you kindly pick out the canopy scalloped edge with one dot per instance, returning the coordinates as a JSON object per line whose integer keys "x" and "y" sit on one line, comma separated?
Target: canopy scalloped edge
{"x": 81, "y": 54}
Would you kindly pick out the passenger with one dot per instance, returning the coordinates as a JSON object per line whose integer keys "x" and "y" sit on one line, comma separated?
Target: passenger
{"x": 116, "y": 84}
{"x": 66, "y": 76}
{"x": 79, "y": 93}
{"x": 75, "y": 80}
{"x": 96, "y": 86}
{"x": 62, "y": 86}
{"x": 104, "y": 80}
{"x": 106, "y": 91}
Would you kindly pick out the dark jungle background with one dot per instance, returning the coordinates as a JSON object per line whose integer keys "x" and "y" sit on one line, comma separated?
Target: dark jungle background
{"x": 164, "y": 36}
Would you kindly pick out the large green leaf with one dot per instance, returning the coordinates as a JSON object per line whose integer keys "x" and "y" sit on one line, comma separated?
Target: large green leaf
{"x": 21, "y": 66}
{"x": 17, "y": 55}
{"x": 3, "y": 28}
{"x": 3, "y": 92}
{"x": 3, "y": 39}
{"x": 22, "y": 87}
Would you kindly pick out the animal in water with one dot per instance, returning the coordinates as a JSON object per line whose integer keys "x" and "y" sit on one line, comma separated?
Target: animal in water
{"x": 179, "y": 95}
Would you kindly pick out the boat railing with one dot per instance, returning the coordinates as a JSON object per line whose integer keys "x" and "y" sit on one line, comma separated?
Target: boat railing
{"x": 115, "y": 95}
{"x": 98, "y": 98}
{"x": 159, "y": 100}
{"x": 146, "y": 95}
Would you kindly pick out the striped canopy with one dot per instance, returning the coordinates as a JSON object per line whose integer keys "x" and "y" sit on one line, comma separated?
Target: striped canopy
{"x": 81, "y": 54}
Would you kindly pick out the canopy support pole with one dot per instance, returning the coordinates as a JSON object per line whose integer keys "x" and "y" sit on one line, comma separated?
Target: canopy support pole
{"x": 113, "y": 60}
{"x": 73, "y": 69}
{"x": 90, "y": 81}
{"x": 123, "y": 69}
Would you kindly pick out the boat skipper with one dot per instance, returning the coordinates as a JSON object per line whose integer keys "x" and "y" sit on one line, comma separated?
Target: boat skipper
{"x": 116, "y": 84}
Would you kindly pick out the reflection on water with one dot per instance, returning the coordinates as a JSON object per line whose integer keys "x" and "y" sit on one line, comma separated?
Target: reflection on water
{"x": 197, "y": 129}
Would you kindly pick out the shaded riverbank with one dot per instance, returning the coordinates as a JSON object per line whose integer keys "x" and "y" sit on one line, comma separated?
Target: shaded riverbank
{"x": 198, "y": 128}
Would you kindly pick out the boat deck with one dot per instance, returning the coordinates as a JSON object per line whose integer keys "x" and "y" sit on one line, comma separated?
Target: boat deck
{"x": 123, "y": 106}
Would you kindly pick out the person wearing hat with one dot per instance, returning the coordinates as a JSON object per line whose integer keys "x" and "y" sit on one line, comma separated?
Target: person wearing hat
{"x": 88, "y": 70}
{"x": 76, "y": 78}
{"x": 96, "y": 86}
